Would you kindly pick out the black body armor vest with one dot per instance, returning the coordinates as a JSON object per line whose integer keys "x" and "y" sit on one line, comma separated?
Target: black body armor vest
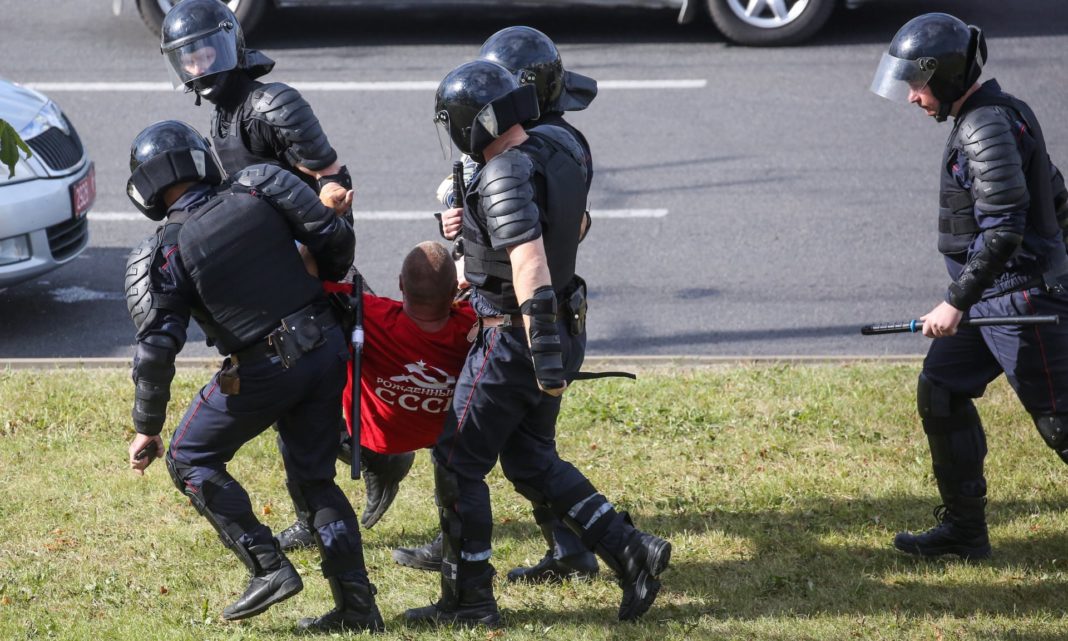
{"x": 560, "y": 189}
{"x": 234, "y": 139}
{"x": 957, "y": 225}
{"x": 241, "y": 256}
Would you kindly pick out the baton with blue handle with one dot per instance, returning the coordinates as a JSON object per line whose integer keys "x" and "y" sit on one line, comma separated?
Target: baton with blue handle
{"x": 914, "y": 326}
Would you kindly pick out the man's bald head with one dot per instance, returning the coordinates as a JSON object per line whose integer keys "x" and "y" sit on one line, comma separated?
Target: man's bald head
{"x": 428, "y": 276}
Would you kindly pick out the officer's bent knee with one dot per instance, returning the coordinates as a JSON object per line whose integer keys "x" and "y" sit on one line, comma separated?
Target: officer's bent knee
{"x": 1054, "y": 430}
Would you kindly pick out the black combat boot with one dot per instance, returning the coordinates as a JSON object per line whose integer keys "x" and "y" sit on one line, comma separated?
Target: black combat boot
{"x": 382, "y": 475}
{"x": 552, "y": 570}
{"x": 466, "y": 602}
{"x": 354, "y": 608}
{"x": 638, "y": 567}
{"x": 961, "y": 530}
{"x": 273, "y": 580}
{"x": 296, "y": 537}
{"x": 427, "y": 557}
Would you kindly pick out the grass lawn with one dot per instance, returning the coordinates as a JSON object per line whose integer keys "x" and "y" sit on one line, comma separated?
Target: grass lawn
{"x": 780, "y": 488}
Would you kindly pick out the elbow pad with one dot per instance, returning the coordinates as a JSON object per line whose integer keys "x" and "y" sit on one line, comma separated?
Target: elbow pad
{"x": 153, "y": 370}
{"x": 545, "y": 348}
{"x": 987, "y": 264}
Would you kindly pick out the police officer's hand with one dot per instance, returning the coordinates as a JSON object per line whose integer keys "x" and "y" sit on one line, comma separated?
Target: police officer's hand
{"x": 154, "y": 451}
{"x": 336, "y": 197}
{"x": 941, "y": 321}
{"x": 451, "y": 222}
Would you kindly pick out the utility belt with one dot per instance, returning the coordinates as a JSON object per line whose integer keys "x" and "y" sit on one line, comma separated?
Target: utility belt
{"x": 1042, "y": 282}
{"x": 571, "y": 306}
{"x": 297, "y": 334}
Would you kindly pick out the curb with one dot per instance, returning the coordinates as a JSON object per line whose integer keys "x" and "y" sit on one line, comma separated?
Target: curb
{"x": 592, "y": 363}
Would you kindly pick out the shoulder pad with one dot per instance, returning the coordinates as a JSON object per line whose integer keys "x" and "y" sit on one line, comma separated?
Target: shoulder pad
{"x": 282, "y": 187}
{"x": 506, "y": 191}
{"x": 292, "y": 117}
{"x": 563, "y": 135}
{"x": 138, "y": 292}
{"x": 993, "y": 154}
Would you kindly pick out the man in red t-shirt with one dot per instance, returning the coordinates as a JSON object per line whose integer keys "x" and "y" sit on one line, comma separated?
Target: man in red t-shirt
{"x": 413, "y": 351}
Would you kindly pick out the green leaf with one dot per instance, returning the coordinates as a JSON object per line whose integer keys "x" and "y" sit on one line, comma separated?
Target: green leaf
{"x": 10, "y": 144}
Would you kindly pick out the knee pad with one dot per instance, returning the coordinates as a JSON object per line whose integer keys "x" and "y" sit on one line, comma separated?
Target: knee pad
{"x": 446, "y": 486}
{"x": 1054, "y": 431}
{"x": 230, "y": 527}
{"x": 941, "y": 409}
{"x": 956, "y": 439}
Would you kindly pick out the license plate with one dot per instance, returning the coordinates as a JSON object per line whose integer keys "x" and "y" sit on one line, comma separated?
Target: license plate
{"x": 83, "y": 193}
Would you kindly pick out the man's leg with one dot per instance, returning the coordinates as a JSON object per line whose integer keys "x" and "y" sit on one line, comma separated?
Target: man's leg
{"x": 309, "y": 434}
{"x": 494, "y": 391}
{"x": 213, "y": 429}
{"x": 1035, "y": 360}
{"x": 956, "y": 370}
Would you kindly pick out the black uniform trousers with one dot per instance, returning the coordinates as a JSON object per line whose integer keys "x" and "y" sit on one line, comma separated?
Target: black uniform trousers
{"x": 305, "y": 401}
{"x": 498, "y": 411}
{"x": 1034, "y": 359}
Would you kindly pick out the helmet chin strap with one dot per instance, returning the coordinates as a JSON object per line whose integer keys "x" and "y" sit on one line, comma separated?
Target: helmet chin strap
{"x": 943, "y": 111}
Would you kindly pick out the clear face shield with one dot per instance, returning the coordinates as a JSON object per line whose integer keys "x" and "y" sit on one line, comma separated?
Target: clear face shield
{"x": 896, "y": 78}
{"x": 443, "y": 129}
{"x": 209, "y": 54}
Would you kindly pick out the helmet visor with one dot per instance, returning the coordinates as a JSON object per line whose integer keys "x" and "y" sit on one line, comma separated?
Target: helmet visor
{"x": 441, "y": 122}
{"x": 896, "y": 78}
{"x": 213, "y": 53}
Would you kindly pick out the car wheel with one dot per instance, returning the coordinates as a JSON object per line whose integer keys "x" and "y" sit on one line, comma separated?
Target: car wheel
{"x": 248, "y": 12}
{"x": 769, "y": 22}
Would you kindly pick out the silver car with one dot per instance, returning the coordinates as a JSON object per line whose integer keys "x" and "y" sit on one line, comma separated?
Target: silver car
{"x": 43, "y": 207}
{"x": 747, "y": 22}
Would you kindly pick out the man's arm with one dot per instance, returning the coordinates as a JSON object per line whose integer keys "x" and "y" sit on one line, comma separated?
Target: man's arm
{"x": 155, "y": 297}
{"x": 999, "y": 189}
{"x": 533, "y": 286}
{"x": 327, "y": 236}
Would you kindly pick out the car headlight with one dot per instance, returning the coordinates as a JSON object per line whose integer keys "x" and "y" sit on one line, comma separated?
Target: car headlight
{"x": 48, "y": 117}
{"x": 14, "y": 250}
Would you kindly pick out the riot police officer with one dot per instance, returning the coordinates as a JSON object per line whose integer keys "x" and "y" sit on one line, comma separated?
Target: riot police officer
{"x": 253, "y": 122}
{"x": 534, "y": 59}
{"x": 520, "y": 227}
{"x": 1004, "y": 251}
{"x": 225, "y": 256}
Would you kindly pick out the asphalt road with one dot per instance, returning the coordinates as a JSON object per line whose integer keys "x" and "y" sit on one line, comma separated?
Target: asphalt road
{"x": 799, "y": 206}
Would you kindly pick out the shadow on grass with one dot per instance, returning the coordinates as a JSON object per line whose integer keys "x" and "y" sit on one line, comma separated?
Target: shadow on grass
{"x": 812, "y": 559}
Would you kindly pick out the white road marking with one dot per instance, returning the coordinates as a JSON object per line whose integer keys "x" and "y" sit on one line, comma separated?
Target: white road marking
{"x": 420, "y": 215}
{"x": 398, "y": 85}
{"x": 81, "y": 295}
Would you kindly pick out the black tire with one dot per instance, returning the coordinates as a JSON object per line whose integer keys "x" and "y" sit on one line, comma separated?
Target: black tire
{"x": 804, "y": 26}
{"x": 248, "y": 12}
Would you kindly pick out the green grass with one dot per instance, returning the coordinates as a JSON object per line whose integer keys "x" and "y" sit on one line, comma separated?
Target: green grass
{"x": 780, "y": 488}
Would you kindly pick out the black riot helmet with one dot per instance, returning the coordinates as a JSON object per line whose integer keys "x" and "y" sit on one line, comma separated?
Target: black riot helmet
{"x": 478, "y": 101}
{"x": 166, "y": 153}
{"x": 935, "y": 50}
{"x": 203, "y": 43}
{"x": 533, "y": 57}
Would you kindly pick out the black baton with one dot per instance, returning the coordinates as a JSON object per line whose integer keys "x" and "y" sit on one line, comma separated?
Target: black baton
{"x": 458, "y": 190}
{"x": 357, "y": 358}
{"x": 586, "y": 376}
{"x": 916, "y": 325}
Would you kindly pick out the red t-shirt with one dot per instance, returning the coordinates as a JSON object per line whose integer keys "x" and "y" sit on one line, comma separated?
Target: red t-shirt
{"x": 407, "y": 376}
